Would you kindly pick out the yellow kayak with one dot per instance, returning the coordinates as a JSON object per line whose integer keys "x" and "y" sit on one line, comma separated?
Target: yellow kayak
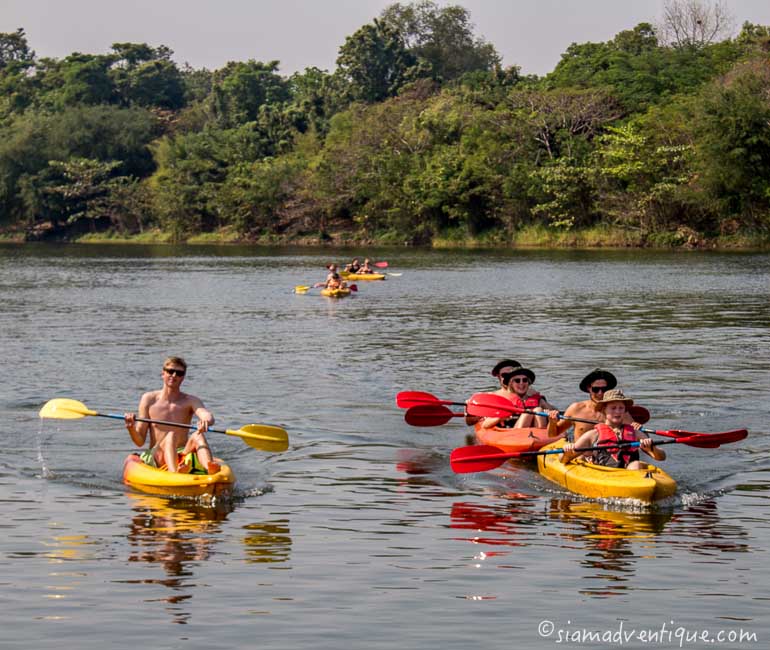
{"x": 335, "y": 293}
{"x": 362, "y": 276}
{"x": 596, "y": 481}
{"x": 152, "y": 480}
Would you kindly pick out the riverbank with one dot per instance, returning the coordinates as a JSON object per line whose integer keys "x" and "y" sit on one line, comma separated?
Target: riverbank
{"x": 527, "y": 237}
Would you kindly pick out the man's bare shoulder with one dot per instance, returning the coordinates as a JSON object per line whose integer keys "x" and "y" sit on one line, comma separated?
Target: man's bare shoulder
{"x": 578, "y": 407}
{"x": 150, "y": 397}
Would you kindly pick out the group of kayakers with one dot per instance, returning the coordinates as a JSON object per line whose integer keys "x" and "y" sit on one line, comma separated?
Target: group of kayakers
{"x": 334, "y": 279}
{"x": 606, "y": 405}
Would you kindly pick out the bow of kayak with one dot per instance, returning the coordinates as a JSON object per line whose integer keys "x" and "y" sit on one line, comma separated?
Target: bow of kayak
{"x": 335, "y": 293}
{"x": 596, "y": 481}
{"x": 152, "y": 480}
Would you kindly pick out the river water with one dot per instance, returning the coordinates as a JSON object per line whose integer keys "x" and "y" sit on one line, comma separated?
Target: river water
{"x": 360, "y": 535}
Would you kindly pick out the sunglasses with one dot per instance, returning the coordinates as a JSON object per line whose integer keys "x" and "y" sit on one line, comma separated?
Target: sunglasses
{"x": 174, "y": 371}
{"x": 520, "y": 380}
{"x": 598, "y": 389}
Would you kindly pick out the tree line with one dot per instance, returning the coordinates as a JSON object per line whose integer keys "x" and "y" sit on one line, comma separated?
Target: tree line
{"x": 418, "y": 133}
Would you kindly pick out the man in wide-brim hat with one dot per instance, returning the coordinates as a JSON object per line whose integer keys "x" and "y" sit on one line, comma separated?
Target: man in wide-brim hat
{"x": 613, "y": 430}
{"x": 596, "y": 383}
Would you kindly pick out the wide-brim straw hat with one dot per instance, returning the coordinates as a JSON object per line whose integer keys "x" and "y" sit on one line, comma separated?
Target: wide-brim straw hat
{"x": 615, "y": 395}
{"x": 598, "y": 373}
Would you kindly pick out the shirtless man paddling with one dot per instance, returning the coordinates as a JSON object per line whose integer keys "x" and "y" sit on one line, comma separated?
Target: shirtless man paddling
{"x": 596, "y": 383}
{"x": 167, "y": 443}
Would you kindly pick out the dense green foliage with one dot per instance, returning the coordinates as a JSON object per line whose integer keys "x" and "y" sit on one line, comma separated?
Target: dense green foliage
{"x": 419, "y": 133}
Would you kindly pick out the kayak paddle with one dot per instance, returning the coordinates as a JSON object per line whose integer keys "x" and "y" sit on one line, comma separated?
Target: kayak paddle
{"x": 409, "y": 398}
{"x": 429, "y": 415}
{"x": 265, "y": 437}
{"x": 495, "y": 406}
{"x": 480, "y": 458}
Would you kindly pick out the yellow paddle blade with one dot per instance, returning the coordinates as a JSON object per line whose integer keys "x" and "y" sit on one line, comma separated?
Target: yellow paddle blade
{"x": 65, "y": 409}
{"x": 301, "y": 289}
{"x": 262, "y": 436}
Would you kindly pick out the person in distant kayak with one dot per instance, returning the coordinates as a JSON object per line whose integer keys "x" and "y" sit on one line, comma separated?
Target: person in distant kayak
{"x": 366, "y": 267}
{"x": 516, "y": 385}
{"x": 175, "y": 447}
{"x": 333, "y": 280}
{"x": 614, "y": 406}
{"x": 596, "y": 383}
{"x": 354, "y": 266}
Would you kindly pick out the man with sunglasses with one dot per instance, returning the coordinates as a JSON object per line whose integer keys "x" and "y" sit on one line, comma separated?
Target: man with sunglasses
{"x": 169, "y": 445}
{"x": 596, "y": 383}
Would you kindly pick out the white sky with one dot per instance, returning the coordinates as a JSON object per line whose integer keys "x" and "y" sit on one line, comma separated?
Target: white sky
{"x": 303, "y": 33}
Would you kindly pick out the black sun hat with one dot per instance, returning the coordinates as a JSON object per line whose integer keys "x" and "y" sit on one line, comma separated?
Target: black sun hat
{"x": 598, "y": 373}
{"x": 507, "y": 376}
{"x": 505, "y": 363}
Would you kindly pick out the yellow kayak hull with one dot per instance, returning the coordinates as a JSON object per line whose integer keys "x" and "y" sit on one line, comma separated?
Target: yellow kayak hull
{"x": 335, "y": 293}
{"x": 598, "y": 482}
{"x": 151, "y": 480}
{"x": 362, "y": 276}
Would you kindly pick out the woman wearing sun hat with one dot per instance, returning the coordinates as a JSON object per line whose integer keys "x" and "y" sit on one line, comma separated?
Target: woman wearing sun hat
{"x": 613, "y": 407}
{"x": 516, "y": 386}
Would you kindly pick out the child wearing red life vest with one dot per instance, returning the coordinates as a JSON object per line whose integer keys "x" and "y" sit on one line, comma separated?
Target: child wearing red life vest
{"x": 614, "y": 431}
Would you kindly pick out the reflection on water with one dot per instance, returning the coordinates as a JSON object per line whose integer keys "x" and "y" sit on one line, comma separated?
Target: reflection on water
{"x": 179, "y": 534}
{"x": 507, "y": 522}
{"x": 175, "y": 534}
{"x": 268, "y": 541}
{"x": 611, "y": 539}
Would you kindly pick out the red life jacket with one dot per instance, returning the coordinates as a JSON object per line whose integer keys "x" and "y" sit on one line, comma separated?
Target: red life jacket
{"x": 608, "y": 436}
{"x": 531, "y": 402}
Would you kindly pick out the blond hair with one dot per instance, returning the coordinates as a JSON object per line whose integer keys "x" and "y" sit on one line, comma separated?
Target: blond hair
{"x": 177, "y": 361}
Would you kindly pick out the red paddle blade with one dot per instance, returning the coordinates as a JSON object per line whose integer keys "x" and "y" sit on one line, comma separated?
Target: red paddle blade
{"x": 353, "y": 287}
{"x": 720, "y": 437}
{"x": 381, "y": 265}
{"x": 710, "y": 440}
{"x": 639, "y": 413}
{"x": 409, "y": 398}
{"x": 486, "y": 405}
{"x": 426, "y": 415}
{"x": 478, "y": 458}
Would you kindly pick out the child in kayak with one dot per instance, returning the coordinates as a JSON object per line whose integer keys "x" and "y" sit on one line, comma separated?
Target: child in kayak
{"x": 175, "y": 447}
{"x": 613, "y": 406}
{"x": 333, "y": 280}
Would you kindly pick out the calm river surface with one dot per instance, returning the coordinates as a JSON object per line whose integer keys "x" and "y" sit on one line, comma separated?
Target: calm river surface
{"x": 360, "y": 535}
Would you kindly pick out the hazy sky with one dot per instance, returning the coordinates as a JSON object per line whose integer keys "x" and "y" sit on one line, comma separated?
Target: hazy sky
{"x": 302, "y": 33}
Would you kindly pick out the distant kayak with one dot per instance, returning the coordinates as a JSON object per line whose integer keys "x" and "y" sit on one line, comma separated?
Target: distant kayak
{"x": 513, "y": 440}
{"x": 362, "y": 276}
{"x": 335, "y": 293}
{"x": 152, "y": 480}
{"x": 596, "y": 481}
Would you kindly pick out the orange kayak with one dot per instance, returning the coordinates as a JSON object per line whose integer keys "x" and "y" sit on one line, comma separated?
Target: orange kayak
{"x": 513, "y": 440}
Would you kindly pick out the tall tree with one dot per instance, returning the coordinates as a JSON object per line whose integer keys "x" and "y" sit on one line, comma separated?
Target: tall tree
{"x": 375, "y": 62}
{"x": 694, "y": 23}
{"x": 443, "y": 37}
